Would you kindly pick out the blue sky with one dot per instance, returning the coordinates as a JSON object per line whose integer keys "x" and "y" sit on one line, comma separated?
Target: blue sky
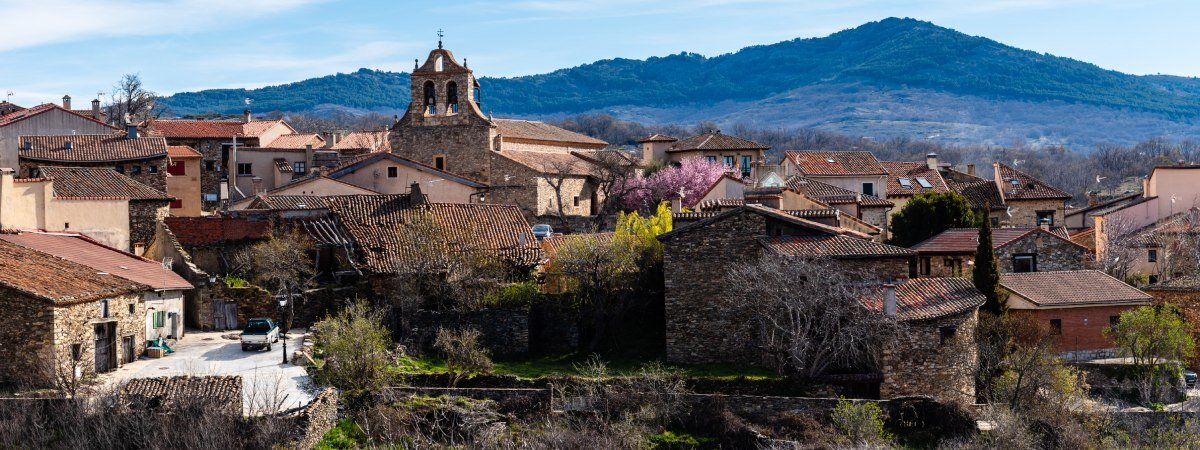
{"x": 52, "y": 47}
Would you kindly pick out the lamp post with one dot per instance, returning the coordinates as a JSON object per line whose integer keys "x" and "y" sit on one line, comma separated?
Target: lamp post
{"x": 283, "y": 299}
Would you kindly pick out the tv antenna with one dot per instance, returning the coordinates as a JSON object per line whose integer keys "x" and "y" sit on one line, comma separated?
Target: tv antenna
{"x": 8, "y": 96}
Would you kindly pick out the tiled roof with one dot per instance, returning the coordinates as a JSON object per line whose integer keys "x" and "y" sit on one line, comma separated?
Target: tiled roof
{"x": 389, "y": 229}
{"x": 1026, "y": 187}
{"x": 911, "y": 173}
{"x": 282, "y": 165}
{"x": 182, "y": 151}
{"x": 541, "y": 131}
{"x": 352, "y": 165}
{"x": 91, "y": 148}
{"x": 83, "y": 250}
{"x": 210, "y": 129}
{"x": 980, "y": 194}
{"x": 966, "y": 240}
{"x": 199, "y": 231}
{"x": 221, "y": 392}
{"x": 656, "y": 138}
{"x": 288, "y": 202}
{"x": 720, "y": 203}
{"x": 550, "y": 245}
{"x": 55, "y": 279}
{"x": 97, "y": 182}
{"x": 9, "y": 108}
{"x": 1172, "y": 228}
{"x": 832, "y": 246}
{"x": 929, "y": 298}
{"x": 1118, "y": 201}
{"x": 715, "y": 140}
{"x": 17, "y": 116}
{"x": 831, "y": 195}
{"x": 1071, "y": 288}
{"x": 815, "y": 163}
{"x": 550, "y": 162}
{"x": 296, "y": 141}
{"x": 762, "y": 211}
{"x": 375, "y": 141}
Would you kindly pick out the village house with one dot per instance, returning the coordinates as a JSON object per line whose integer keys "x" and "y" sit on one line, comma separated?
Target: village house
{"x": 97, "y": 202}
{"x": 163, "y": 301}
{"x": 737, "y": 154}
{"x": 65, "y": 318}
{"x": 358, "y": 143}
{"x": 906, "y": 179}
{"x": 936, "y": 352}
{"x": 1144, "y": 224}
{"x": 1076, "y": 305}
{"x": 856, "y": 171}
{"x": 388, "y": 173}
{"x": 183, "y": 180}
{"x": 45, "y": 119}
{"x": 273, "y": 164}
{"x": 311, "y": 186}
{"x": 203, "y": 249}
{"x": 142, "y": 158}
{"x": 534, "y": 165}
{"x": 951, "y": 253}
{"x": 1029, "y": 201}
{"x": 981, "y": 193}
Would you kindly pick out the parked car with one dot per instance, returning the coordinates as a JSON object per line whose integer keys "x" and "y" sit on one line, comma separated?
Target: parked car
{"x": 260, "y": 332}
{"x": 542, "y": 231}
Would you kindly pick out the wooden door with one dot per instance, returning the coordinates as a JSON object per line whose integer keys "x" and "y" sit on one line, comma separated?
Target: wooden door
{"x": 127, "y": 346}
{"x": 104, "y": 350}
{"x": 219, "y": 315}
{"x": 231, "y": 315}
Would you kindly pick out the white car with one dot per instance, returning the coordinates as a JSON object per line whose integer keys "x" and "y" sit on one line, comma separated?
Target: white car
{"x": 542, "y": 231}
{"x": 260, "y": 332}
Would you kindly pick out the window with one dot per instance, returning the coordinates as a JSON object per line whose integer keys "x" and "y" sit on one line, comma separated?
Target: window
{"x": 176, "y": 168}
{"x": 430, "y": 98}
{"x": 1024, "y": 263}
{"x": 104, "y": 309}
{"x": 1152, "y": 255}
{"x": 948, "y": 262}
{"x": 131, "y": 306}
{"x": 710, "y": 158}
{"x": 210, "y": 166}
{"x": 946, "y": 333}
{"x": 1046, "y": 217}
{"x": 1153, "y": 279}
{"x": 393, "y": 172}
{"x": 76, "y": 351}
{"x": 576, "y": 201}
{"x": 160, "y": 319}
{"x": 35, "y": 172}
{"x": 1113, "y": 320}
{"x": 728, "y": 161}
{"x": 119, "y": 168}
{"x": 300, "y": 167}
{"x": 245, "y": 169}
{"x": 995, "y": 221}
{"x": 868, "y": 188}
{"x": 176, "y": 204}
{"x": 924, "y": 183}
{"x": 439, "y": 162}
{"x": 152, "y": 169}
{"x": 906, "y": 183}
{"x": 452, "y": 96}
{"x": 747, "y": 163}
{"x": 925, "y": 264}
{"x": 135, "y": 169}
{"x": 1056, "y": 327}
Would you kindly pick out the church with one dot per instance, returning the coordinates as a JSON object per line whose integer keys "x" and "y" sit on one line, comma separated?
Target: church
{"x": 539, "y": 167}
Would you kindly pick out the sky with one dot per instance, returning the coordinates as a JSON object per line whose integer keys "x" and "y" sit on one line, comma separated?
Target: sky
{"x": 83, "y": 47}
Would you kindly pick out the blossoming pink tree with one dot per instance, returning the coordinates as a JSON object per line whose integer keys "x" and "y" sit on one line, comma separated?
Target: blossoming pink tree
{"x": 691, "y": 178}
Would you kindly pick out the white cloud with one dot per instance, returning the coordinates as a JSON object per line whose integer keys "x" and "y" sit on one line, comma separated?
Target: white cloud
{"x": 43, "y": 22}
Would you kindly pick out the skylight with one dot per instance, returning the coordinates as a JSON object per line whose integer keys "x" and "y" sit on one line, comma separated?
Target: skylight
{"x": 829, "y": 161}
{"x": 924, "y": 183}
{"x": 905, "y": 182}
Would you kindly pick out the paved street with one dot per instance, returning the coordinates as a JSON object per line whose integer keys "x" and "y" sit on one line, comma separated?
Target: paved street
{"x": 266, "y": 381}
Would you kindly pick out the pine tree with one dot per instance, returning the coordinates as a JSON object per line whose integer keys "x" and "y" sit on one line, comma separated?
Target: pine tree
{"x": 986, "y": 274}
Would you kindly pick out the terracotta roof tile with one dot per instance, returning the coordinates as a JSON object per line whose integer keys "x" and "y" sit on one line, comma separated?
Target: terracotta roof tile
{"x": 296, "y": 142}
{"x": 762, "y": 211}
{"x": 209, "y": 129}
{"x": 219, "y": 392}
{"x": 552, "y": 244}
{"x": 541, "y": 131}
{"x": 550, "y": 162}
{"x": 1071, "y": 288}
{"x": 832, "y": 246}
{"x": 372, "y": 141}
{"x": 182, "y": 151}
{"x": 720, "y": 203}
{"x": 904, "y": 178}
{"x": 816, "y": 163}
{"x": 282, "y": 165}
{"x": 831, "y": 195}
{"x": 656, "y": 138}
{"x": 91, "y": 148}
{"x": 715, "y": 140}
{"x": 930, "y": 298}
{"x": 966, "y": 240}
{"x": 383, "y": 228}
{"x": 200, "y": 231}
{"x": 288, "y": 202}
{"x": 55, "y": 279}
{"x": 1017, "y": 185}
{"x": 82, "y": 250}
{"x": 980, "y": 194}
{"x": 96, "y": 182}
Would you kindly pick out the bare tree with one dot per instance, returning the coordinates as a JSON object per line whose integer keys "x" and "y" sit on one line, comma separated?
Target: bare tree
{"x": 1116, "y": 245}
{"x": 809, "y": 313}
{"x": 131, "y": 102}
{"x": 556, "y": 172}
{"x": 282, "y": 265}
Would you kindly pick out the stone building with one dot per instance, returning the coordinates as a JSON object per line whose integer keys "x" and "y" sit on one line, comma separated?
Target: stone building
{"x": 534, "y": 165}
{"x": 857, "y": 171}
{"x": 981, "y": 193}
{"x": 142, "y": 158}
{"x": 388, "y": 173}
{"x": 1077, "y": 305}
{"x": 737, "y": 154}
{"x": 906, "y": 179}
{"x": 63, "y": 317}
{"x": 1029, "y": 201}
{"x": 147, "y": 206}
{"x": 951, "y": 253}
{"x": 45, "y": 119}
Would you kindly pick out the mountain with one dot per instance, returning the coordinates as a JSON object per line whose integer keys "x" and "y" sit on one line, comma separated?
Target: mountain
{"x": 894, "y": 77}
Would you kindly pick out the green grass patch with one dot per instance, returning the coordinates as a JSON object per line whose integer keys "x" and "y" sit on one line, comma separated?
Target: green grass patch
{"x": 669, "y": 440}
{"x": 345, "y": 435}
{"x": 568, "y": 364}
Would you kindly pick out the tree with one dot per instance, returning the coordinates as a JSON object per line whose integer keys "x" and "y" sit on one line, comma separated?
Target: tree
{"x": 986, "y": 273}
{"x": 687, "y": 182}
{"x": 809, "y": 314}
{"x": 1157, "y": 340}
{"x": 597, "y": 271}
{"x": 556, "y": 173}
{"x": 353, "y": 348}
{"x": 131, "y": 102}
{"x": 463, "y": 353}
{"x": 926, "y": 215}
{"x": 282, "y": 266}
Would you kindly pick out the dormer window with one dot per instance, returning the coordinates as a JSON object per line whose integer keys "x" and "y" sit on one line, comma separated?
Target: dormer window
{"x": 906, "y": 183}
{"x": 924, "y": 183}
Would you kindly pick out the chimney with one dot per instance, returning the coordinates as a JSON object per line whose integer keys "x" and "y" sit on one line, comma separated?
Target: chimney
{"x": 415, "y": 196}
{"x": 676, "y": 205}
{"x": 889, "y": 300}
{"x": 931, "y": 160}
{"x": 246, "y": 116}
{"x": 971, "y": 169}
{"x": 257, "y": 186}
{"x": 96, "y": 109}
{"x": 328, "y": 137}
{"x": 1093, "y": 198}
{"x": 131, "y": 131}
{"x": 67, "y": 102}
{"x": 308, "y": 157}
{"x": 139, "y": 248}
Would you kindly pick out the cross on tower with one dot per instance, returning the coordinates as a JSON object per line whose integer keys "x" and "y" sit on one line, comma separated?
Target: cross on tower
{"x": 440, "y": 34}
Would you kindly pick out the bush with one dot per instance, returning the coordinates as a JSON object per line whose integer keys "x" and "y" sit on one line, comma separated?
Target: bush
{"x": 669, "y": 440}
{"x": 462, "y": 352}
{"x": 353, "y": 349}
{"x": 514, "y": 295}
{"x": 860, "y": 424}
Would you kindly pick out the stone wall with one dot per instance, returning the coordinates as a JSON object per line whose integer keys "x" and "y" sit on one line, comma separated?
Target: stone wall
{"x": 553, "y": 327}
{"x": 522, "y": 401}
{"x": 144, "y": 216}
{"x": 877, "y": 217}
{"x": 465, "y": 146}
{"x": 502, "y": 331}
{"x": 1024, "y": 212}
{"x": 316, "y": 419}
{"x": 701, "y": 327}
{"x": 1052, "y": 253}
{"x": 923, "y": 363}
{"x": 882, "y": 269}
{"x": 26, "y": 335}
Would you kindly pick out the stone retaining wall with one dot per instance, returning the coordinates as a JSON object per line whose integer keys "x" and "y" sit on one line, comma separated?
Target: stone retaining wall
{"x": 502, "y": 331}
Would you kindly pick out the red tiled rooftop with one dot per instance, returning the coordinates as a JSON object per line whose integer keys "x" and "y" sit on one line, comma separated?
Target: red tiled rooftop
{"x": 98, "y": 182}
{"x": 1017, "y": 185}
{"x": 90, "y": 148}
{"x": 375, "y": 141}
{"x": 182, "y": 151}
{"x": 209, "y": 129}
{"x": 966, "y": 240}
{"x": 929, "y": 298}
{"x": 82, "y": 250}
{"x": 826, "y": 163}
{"x": 1072, "y": 288}
{"x": 832, "y": 246}
{"x": 901, "y": 173}
{"x": 656, "y": 138}
{"x": 60, "y": 281}
{"x": 715, "y": 140}
{"x": 541, "y": 131}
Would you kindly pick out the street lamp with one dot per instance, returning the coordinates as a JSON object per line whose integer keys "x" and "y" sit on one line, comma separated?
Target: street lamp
{"x": 283, "y": 299}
